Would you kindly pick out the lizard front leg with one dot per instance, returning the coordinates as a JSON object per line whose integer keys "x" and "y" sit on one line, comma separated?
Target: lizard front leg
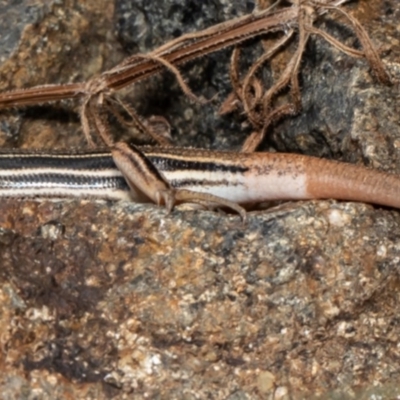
{"x": 141, "y": 175}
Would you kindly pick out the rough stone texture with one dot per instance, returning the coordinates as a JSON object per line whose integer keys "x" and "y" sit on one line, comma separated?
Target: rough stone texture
{"x": 104, "y": 300}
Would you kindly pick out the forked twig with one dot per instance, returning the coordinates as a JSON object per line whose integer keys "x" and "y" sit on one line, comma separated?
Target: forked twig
{"x": 139, "y": 67}
{"x": 261, "y": 112}
{"x": 98, "y": 94}
{"x": 370, "y": 52}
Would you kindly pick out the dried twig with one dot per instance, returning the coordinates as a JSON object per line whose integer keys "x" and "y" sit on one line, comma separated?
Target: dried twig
{"x": 98, "y": 95}
{"x": 260, "y": 110}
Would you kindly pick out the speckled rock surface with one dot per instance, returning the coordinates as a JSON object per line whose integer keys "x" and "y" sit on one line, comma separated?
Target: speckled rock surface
{"x": 115, "y": 300}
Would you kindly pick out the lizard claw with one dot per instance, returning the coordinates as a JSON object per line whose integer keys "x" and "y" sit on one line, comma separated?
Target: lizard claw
{"x": 167, "y": 197}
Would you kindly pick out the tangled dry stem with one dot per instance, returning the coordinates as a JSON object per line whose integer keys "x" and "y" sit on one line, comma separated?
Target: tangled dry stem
{"x": 99, "y": 96}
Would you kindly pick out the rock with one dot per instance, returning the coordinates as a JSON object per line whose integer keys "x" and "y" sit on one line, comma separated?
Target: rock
{"x": 103, "y": 299}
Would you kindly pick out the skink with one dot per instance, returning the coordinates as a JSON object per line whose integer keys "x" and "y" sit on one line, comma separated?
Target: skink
{"x": 173, "y": 175}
